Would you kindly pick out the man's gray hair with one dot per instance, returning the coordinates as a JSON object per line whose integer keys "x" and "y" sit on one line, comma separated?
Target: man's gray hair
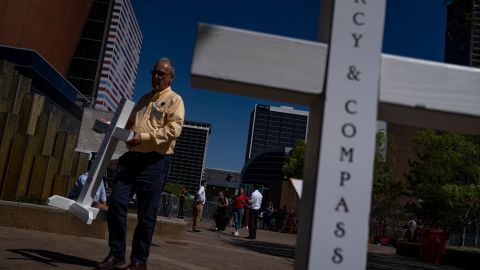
{"x": 169, "y": 61}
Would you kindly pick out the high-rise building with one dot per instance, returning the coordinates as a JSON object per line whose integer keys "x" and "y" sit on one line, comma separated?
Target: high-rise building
{"x": 273, "y": 128}
{"x": 84, "y": 70}
{"x": 273, "y": 132}
{"x": 188, "y": 159}
{"x": 475, "y": 48}
{"x": 105, "y": 63}
{"x": 462, "y": 39}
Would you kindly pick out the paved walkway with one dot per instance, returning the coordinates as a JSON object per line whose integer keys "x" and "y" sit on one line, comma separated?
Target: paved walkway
{"x": 25, "y": 249}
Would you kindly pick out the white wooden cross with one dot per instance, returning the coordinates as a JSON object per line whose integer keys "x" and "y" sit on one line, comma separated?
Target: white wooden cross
{"x": 339, "y": 159}
{"x": 113, "y": 133}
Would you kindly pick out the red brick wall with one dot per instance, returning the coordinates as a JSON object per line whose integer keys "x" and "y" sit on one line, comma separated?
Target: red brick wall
{"x": 282, "y": 194}
{"x": 404, "y": 148}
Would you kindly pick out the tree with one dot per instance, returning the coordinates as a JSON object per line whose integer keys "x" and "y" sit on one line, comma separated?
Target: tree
{"x": 293, "y": 168}
{"x": 173, "y": 188}
{"x": 463, "y": 200}
{"x": 445, "y": 180}
{"x": 386, "y": 208}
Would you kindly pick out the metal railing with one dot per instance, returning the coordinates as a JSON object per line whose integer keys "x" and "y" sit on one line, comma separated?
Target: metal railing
{"x": 172, "y": 206}
{"x": 455, "y": 240}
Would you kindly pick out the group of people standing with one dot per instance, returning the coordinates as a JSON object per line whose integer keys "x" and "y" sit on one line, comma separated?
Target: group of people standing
{"x": 245, "y": 212}
{"x": 243, "y": 208}
{"x": 279, "y": 220}
{"x": 253, "y": 204}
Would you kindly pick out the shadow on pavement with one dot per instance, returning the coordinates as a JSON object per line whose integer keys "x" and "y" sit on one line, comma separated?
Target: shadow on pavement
{"x": 392, "y": 261}
{"x": 50, "y": 257}
{"x": 374, "y": 261}
{"x": 267, "y": 248}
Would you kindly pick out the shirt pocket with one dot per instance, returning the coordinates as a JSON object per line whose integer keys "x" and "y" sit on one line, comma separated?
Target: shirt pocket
{"x": 158, "y": 114}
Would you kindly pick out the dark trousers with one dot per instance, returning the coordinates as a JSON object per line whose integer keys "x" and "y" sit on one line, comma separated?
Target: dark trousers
{"x": 181, "y": 205}
{"x": 252, "y": 225}
{"x": 144, "y": 174}
{"x": 221, "y": 218}
{"x": 246, "y": 216}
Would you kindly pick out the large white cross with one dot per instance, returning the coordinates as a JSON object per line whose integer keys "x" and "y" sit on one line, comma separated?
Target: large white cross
{"x": 339, "y": 158}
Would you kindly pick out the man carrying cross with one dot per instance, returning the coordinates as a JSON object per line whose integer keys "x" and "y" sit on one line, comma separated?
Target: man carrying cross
{"x": 157, "y": 122}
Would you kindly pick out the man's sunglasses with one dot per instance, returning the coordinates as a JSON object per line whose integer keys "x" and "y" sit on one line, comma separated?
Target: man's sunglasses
{"x": 159, "y": 73}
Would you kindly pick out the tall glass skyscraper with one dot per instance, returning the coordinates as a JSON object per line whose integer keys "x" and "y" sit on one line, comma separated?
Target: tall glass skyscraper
{"x": 272, "y": 128}
{"x": 462, "y": 39}
{"x": 188, "y": 159}
{"x": 104, "y": 66}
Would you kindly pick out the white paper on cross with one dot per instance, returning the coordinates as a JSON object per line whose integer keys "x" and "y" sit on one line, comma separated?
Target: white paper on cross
{"x": 412, "y": 92}
{"x": 115, "y": 132}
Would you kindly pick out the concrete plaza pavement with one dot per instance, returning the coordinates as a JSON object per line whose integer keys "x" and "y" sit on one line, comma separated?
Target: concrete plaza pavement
{"x": 28, "y": 249}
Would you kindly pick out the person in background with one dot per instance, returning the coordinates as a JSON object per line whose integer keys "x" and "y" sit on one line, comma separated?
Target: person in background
{"x": 100, "y": 199}
{"x": 280, "y": 218}
{"x": 411, "y": 228}
{"x": 291, "y": 224}
{"x": 239, "y": 202}
{"x": 246, "y": 213}
{"x": 221, "y": 213}
{"x": 273, "y": 221}
{"x": 255, "y": 204}
{"x": 181, "y": 201}
{"x": 267, "y": 216}
{"x": 200, "y": 200}
{"x": 156, "y": 122}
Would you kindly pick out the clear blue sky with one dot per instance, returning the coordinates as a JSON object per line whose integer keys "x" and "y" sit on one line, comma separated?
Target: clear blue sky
{"x": 413, "y": 28}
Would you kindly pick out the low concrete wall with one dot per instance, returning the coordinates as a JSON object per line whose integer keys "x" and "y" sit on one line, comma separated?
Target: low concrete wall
{"x": 411, "y": 250}
{"x": 466, "y": 259}
{"x": 49, "y": 219}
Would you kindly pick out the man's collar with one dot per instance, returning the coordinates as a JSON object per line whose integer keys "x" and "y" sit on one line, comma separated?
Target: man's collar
{"x": 155, "y": 95}
{"x": 164, "y": 90}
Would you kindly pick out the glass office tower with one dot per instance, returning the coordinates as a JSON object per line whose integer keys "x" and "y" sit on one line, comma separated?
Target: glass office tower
{"x": 462, "y": 38}
{"x": 188, "y": 159}
{"x": 273, "y": 128}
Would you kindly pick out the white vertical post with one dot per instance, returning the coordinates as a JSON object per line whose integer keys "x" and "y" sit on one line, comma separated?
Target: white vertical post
{"x": 339, "y": 232}
{"x": 312, "y": 153}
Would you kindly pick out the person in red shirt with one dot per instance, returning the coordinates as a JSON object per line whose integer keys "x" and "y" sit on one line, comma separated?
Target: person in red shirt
{"x": 239, "y": 201}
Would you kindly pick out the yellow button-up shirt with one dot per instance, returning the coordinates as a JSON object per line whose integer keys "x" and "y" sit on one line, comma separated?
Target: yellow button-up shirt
{"x": 158, "y": 117}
